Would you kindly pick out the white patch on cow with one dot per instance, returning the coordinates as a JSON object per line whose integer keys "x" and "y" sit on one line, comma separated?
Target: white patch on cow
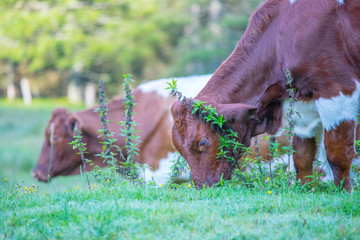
{"x": 157, "y": 86}
{"x": 283, "y": 161}
{"x": 306, "y": 118}
{"x": 315, "y": 116}
{"x": 188, "y": 86}
{"x": 162, "y": 174}
{"x": 292, "y": 1}
{"x": 307, "y": 124}
{"x": 324, "y": 164}
{"x": 337, "y": 109}
{"x": 356, "y": 161}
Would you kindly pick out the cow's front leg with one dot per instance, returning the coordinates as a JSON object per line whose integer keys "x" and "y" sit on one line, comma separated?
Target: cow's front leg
{"x": 340, "y": 151}
{"x": 304, "y": 157}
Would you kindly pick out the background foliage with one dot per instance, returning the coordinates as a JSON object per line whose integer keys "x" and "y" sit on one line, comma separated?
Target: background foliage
{"x": 53, "y": 42}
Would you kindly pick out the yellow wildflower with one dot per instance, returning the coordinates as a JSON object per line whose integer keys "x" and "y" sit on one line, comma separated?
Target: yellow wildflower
{"x": 268, "y": 179}
{"x": 269, "y": 192}
{"x": 31, "y": 190}
{"x": 5, "y": 179}
{"x": 189, "y": 185}
{"x": 95, "y": 185}
{"x": 77, "y": 187}
{"x": 26, "y": 188}
{"x": 108, "y": 180}
{"x": 160, "y": 185}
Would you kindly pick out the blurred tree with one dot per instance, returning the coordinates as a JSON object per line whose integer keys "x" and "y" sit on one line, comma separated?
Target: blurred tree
{"x": 211, "y": 34}
{"x": 105, "y": 37}
{"x": 45, "y": 40}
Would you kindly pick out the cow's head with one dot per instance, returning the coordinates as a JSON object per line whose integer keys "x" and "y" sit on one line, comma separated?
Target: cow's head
{"x": 199, "y": 144}
{"x": 65, "y": 161}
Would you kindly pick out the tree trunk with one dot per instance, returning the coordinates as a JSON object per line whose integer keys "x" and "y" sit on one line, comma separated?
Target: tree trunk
{"x": 90, "y": 94}
{"x": 26, "y": 91}
{"x": 11, "y": 90}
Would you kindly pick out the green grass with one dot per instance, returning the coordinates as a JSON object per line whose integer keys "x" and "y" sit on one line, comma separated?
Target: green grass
{"x": 125, "y": 211}
{"x": 141, "y": 212}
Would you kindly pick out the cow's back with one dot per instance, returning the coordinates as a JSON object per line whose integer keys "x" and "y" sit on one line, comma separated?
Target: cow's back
{"x": 152, "y": 110}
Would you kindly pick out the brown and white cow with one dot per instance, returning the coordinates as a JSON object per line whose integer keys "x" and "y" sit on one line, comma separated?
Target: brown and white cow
{"x": 153, "y": 120}
{"x": 319, "y": 42}
{"x": 153, "y": 111}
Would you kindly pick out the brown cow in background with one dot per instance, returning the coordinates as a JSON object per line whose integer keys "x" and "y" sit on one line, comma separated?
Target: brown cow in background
{"x": 152, "y": 117}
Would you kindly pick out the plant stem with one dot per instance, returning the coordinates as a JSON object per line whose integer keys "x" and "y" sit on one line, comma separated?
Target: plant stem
{"x": 51, "y": 149}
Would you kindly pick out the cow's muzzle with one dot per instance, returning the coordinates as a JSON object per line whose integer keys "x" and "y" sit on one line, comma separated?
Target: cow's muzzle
{"x": 40, "y": 175}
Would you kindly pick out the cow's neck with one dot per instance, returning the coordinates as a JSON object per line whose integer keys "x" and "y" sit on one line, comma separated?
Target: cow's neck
{"x": 242, "y": 80}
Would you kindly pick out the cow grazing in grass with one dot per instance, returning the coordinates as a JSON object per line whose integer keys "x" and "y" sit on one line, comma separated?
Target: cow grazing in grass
{"x": 153, "y": 121}
{"x": 319, "y": 42}
{"x": 152, "y": 116}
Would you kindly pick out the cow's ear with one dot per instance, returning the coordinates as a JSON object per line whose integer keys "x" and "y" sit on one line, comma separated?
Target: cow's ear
{"x": 178, "y": 110}
{"x": 73, "y": 122}
{"x": 236, "y": 113}
{"x": 58, "y": 112}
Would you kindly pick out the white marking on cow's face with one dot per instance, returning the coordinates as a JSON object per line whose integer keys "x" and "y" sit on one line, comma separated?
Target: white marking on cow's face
{"x": 292, "y": 1}
{"x": 188, "y": 86}
{"x": 306, "y": 119}
{"x": 340, "y": 108}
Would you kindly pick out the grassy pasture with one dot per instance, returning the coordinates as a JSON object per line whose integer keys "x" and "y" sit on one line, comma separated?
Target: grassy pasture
{"x": 124, "y": 211}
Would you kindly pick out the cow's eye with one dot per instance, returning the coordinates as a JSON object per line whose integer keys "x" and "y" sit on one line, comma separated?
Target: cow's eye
{"x": 55, "y": 139}
{"x": 202, "y": 143}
